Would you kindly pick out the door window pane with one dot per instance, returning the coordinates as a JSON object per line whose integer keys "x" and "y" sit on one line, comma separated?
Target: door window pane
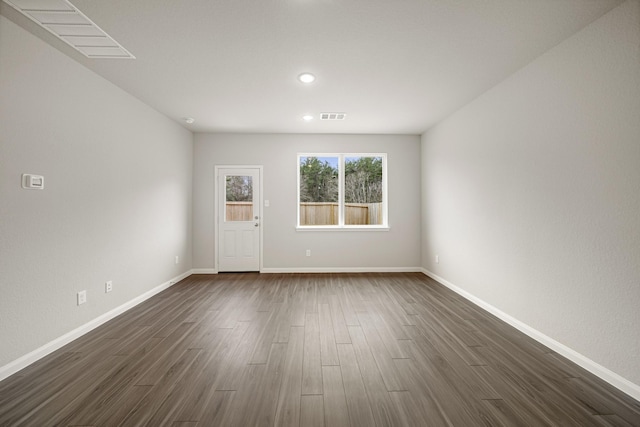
{"x": 319, "y": 181}
{"x": 239, "y": 198}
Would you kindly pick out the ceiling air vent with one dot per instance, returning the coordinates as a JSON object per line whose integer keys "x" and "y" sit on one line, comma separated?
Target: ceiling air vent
{"x": 65, "y": 21}
{"x": 332, "y": 116}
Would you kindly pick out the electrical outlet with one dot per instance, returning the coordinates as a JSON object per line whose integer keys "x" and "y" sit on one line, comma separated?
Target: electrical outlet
{"x": 177, "y": 259}
{"x": 82, "y": 297}
{"x": 437, "y": 259}
{"x": 308, "y": 252}
{"x": 108, "y": 287}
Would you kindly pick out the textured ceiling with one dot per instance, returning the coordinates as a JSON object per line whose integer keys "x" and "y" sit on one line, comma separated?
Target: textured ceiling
{"x": 394, "y": 66}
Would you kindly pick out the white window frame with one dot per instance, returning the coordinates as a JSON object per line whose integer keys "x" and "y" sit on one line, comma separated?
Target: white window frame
{"x": 341, "y": 180}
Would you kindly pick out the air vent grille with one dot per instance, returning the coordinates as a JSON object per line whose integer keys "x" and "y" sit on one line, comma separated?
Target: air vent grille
{"x": 65, "y": 21}
{"x": 332, "y": 116}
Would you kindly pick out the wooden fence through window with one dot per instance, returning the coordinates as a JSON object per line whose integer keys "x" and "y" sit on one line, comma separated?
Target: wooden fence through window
{"x": 321, "y": 213}
{"x": 317, "y": 213}
{"x": 239, "y": 211}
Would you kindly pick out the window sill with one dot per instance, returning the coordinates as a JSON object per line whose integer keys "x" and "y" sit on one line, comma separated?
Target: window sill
{"x": 344, "y": 228}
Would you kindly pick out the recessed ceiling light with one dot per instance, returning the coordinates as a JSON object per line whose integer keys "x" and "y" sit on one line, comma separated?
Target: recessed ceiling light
{"x": 189, "y": 120}
{"x": 306, "y": 78}
{"x": 307, "y": 117}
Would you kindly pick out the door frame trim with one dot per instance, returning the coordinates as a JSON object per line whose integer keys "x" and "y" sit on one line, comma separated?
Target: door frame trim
{"x": 216, "y": 197}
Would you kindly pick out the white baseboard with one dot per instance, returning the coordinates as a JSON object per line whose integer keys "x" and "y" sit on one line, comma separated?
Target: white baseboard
{"x": 204, "y": 271}
{"x": 600, "y": 371}
{"x": 344, "y": 270}
{"x": 37, "y": 354}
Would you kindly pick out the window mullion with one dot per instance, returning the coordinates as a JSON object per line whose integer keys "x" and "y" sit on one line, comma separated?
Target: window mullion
{"x": 341, "y": 208}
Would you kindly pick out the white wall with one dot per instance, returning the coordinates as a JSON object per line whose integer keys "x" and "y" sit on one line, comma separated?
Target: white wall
{"x": 117, "y": 198}
{"x": 531, "y": 194}
{"x": 284, "y": 247}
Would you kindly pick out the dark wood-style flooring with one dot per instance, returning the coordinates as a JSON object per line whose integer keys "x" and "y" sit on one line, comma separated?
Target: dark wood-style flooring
{"x": 309, "y": 350}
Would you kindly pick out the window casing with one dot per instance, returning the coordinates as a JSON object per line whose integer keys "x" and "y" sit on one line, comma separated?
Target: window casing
{"x": 342, "y": 191}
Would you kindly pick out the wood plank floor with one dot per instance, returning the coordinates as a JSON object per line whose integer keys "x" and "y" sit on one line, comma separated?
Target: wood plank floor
{"x": 309, "y": 350}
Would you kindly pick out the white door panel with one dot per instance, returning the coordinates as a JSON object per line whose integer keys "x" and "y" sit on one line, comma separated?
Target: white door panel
{"x": 229, "y": 246}
{"x": 248, "y": 237}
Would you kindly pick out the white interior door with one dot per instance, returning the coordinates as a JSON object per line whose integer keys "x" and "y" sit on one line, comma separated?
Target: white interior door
{"x": 239, "y": 219}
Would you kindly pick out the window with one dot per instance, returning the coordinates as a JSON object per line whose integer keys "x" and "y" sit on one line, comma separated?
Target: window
{"x": 342, "y": 191}
{"x": 239, "y": 198}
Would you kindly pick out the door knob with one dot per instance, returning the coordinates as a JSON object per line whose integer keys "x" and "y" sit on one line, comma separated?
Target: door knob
{"x": 255, "y": 225}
